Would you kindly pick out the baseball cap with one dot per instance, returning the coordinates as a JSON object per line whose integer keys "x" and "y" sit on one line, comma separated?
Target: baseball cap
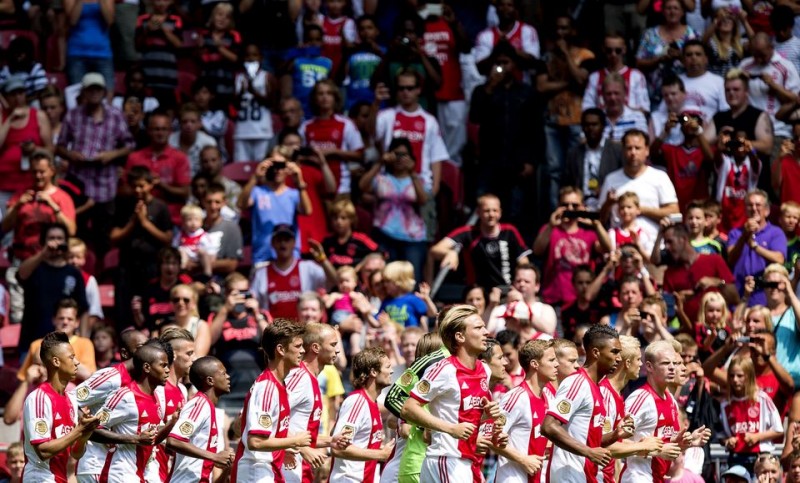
{"x": 518, "y": 310}
{"x": 93, "y": 79}
{"x": 283, "y": 229}
{"x": 738, "y": 471}
{"x": 13, "y": 83}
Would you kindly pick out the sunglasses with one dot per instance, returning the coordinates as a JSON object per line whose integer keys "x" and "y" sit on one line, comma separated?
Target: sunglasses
{"x": 614, "y": 50}
{"x": 185, "y": 300}
{"x": 406, "y": 88}
{"x": 767, "y": 457}
{"x": 570, "y": 205}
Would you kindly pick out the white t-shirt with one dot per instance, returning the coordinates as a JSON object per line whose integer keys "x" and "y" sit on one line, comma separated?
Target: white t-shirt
{"x": 254, "y": 120}
{"x": 784, "y": 73}
{"x": 359, "y": 417}
{"x": 790, "y": 50}
{"x": 707, "y": 92}
{"x": 629, "y": 119}
{"x": 305, "y": 401}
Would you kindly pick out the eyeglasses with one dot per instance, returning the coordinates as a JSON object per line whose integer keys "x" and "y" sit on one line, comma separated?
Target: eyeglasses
{"x": 185, "y": 300}
{"x": 614, "y": 50}
{"x": 406, "y": 88}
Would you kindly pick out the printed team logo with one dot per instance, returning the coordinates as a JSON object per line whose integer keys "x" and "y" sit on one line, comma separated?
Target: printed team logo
{"x": 406, "y": 378}
{"x": 564, "y": 407}
{"x": 41, "y": 427}
{"x": 752, "y": 412}
{"x": 423, "y": 387}
{"x": 186, "y": 428}
{"x": 348, "y": 431}
{"x": 484, "y": 385}
{"x": 82, "y": 393}
{"x": 265, "y": 421}
{"x": 500, "y": 421}
{"x": 419, "y": 125}
{"x": 294, "y": 281}
{"x": 606, "y": 426}
{"x": 103, "y": 416}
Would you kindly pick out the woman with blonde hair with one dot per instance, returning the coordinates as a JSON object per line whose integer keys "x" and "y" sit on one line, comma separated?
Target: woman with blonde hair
{"x": 724, "y": 38}
{"x": 713, "y": 318}
{"x": 184, "y": 303}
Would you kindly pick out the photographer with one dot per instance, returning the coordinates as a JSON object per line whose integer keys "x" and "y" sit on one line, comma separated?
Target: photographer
{"x": 755, "y": 244}
{"x": 738, "y": 168}
{"x": 47, "y": 278}
{"x": 274, "y": 203}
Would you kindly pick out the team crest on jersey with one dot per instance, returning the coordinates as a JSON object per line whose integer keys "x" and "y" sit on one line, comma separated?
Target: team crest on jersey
{"x": 40, "y": 427}
{"x": 186, "y": 428}
{"x": 564, "y": 407}
{"x": 606, "y": 426}
{"x": 348, "y": 431}
{"x": 265, "y": 421}
{"x": 752, "y": 412}
{"x": 406, "y": 378}
{"x": 484, "y": 385}
{"x": 294, "y": 281}
{"x": 82, "y": 393}
{"x": 103, "y": 416}
{"x": 423, "y": 387}
{"x": 500, "y": 421}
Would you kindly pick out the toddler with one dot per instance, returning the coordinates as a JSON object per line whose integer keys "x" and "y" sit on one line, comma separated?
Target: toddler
{"x": 192, "y": 240}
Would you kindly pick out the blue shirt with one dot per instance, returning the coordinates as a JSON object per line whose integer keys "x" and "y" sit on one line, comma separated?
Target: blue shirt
{"x": 750, "y": 263}
{"x": 787, "y": 345}
{"x": 269, "y": 210}
{"x": 406, "y": 309}
{"x": 360, "y": 67}
{"x": 309, "y": 67}
{"x": 90, "y": 37}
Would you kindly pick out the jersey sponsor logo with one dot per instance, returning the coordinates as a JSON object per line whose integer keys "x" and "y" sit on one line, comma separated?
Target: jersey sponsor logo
{"x": 82, "y": 393}
{"x": 62, "y": 431}
{"x": 265, "y": 421}
{"x": 284, "y": 426}
{"x": 423, "y": 387}
{"x": 666, "y": 432}
{"x": 406, "y": 378}
{"x": 348, "y": 431}
{"x": 41, "y": 427}
{"x": 564, "y": 407}
{"x": 104, "y": 416}
{"x": 377, "y": 436}
{"x": 186, "y": 428}
{"x": 471, "y": 402}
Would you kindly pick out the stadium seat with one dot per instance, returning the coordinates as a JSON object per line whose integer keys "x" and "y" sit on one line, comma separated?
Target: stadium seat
{"x": 185, "y": 81}
{"x": 6, "y": 36}
{"x": 106, "y": 295}
{"x": 119, "y": 81}
{"x": 239, "y": 172}
{"x": 454, "y": 180}
{"x": 58, "y": 79}
{"x": 110, "y": 261}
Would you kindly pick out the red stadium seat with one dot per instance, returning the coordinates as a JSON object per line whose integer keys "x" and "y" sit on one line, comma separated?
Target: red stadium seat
{"x": 119, "y": 82}
{"x": 111, "y": 260}
{"x": 58, "y": 79}
{"x": 185, "y": 81}
{"x": 106, "y": 295}
{"x": 454, "y": 180}
{"x": 6, "y": 36}
{"x": 239, "y": 172}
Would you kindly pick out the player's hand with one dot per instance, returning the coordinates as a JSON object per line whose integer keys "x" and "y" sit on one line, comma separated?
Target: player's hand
{"x": 224, "y": 459}
{"x": 491, "y": 408}
{"x": 386, "y": 451}
{"x": 147, "y": 437}
{"x": 482, "y": 445}
{"x": 340, "y": 441}
{"x": 625, "y": 428}
{"x": 87, "y": 422}
{"x": 599, "y": 456}
{"x": 302, "y": 439}
{"x": 670, "y": 451}
{"x": 500, "y": 440}
{"x": 314, "y": 457}
{"x": 751, "y": 439}
{"x": 174, "y": 417}
{"x": 701, "y": 436}
{"x": 652, "y": 444}
{"x": 462, "y": 430}
{"x": 450, "y": 260}
{"x": 532, "y": 464}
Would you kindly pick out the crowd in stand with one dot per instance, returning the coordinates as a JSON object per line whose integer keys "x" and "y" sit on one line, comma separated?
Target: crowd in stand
{"x": 224, "y": 168}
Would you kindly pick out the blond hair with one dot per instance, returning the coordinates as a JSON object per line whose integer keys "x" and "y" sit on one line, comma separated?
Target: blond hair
{"x": 343, "y": 207}
{"x": 452, "y": 322}
{"x": 75, "y": 242}
{"x": 745, "y": 363}
{"x": 345, "y": 269}
{"x": 628, "y": 195}
{"x": 765, "y": 313}
{"x": 631, "y": 347}
{"x": 713, "y": 298}
{"x": 191, "y": 211}
{"x": 401, "y": 273}
{"x": 655, "y": 348}
{"x": 790, "y": 205}
{"x": 776, "y": 268}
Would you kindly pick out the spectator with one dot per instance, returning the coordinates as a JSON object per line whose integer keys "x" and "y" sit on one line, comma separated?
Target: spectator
{"x": 656, "y": 193}
{"x": 674, "y": 103}
{"x": 788, "y": 221}
{"x": 225, "y": 235}
{"x": 158, "y": 37}
{"x": 703, "y": 88}
{"x": 360, "y": 63}
{"x": 190, "y": 139}
{"x": 169, "y": 166}
{"x": 133, "y": 111}
{"x": 629, "y": 232}
{"x": 653, "y": 325}
{"x": 615, "y": 51}
{"x": 77, "y": 258}
{"x": 503, "y": 107}
{"x": 755, "y": 244}
{"x": 336, "y": 137}
{"x": 51, "y": 100}
{"x": 400, "y": 196}
{"x": 256, "y": 90}
{"x": 562, "y": 83}
{"x": 768, "y": 467}
{"x": 786, "y": 43}
{"x": 582, "y": 309}
{"x": 345, "y": 246}
{"x": 291, "y": 113}
{"x": 724, "y": 38}
{"x": 493, "y": 249}
{"x": 46, "y": 278}
{"x": 271, "y": 25}
{"x": 660, "y": 48}
{"x": 401, "y": 304}
{"x": 88, "y": 44}
{"x": 135, "y": 86}
{"x": 785, "y": 170}
{"x": 93, "y": 136}
{"x": 211, "y": 163}
{"x": 694, "y": 274}
{"x": 151, "y": 301}
{"x": 274, "y": 203}
{"x": 304, "y": 69}
{"x": 627, "y": 318}
{"x": 279, "y": 284}
{"x": 742, "y": 116}
{"x": 22, "y": 130}
{"x": 522, "y": 37}
{"x": 104, "y": 339}
{"x": 565, "y": 243}
{"x": 619, "y": 117}
{"x": 540, "y": 316}
{"x": 339, "y": 32}
{"x": 213, "y": 117}
{"x": 738, "y": 170}
{"x": 22, "y": 61}
{"x": 184, "y": 305}
{"x": 219, "y": 52}
{"x": 193, "y": 242}
{"x": 589, "y": 163}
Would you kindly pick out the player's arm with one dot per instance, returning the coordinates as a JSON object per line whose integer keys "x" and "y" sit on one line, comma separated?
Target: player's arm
{"x": 414, "y": 412}
{"x": 354, "y": 453}
{"x": 531, "y": 463}
{"x": 623, "y": 449}
{"x": 553, "y": 430}
{"x": 263, "y": 443}
{"x": 401, "y": 389}
{"x": 105, "y": 436}
{"x": 188, "y": 449}
{"x": 76, "y": 439}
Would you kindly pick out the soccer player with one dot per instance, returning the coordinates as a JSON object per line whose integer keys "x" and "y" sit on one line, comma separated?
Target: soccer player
{"x": 195, "y": 437}
{"x": 456, "y": 391}
{"x": 172, "y": 395}
{"x": 360, "y": 419}
{"x": 305, "y": 400}
{"x": 619, "y": 426}
{"x": 567, "y": 355}
{"x": 575, "y": 417}
{"x": 265, "y": 419}
{"x": 93, "y": 392}
{"x": 54, "y": 428}
{"x": 524, "y": 408}
{"x": 134, "y": 409}
{"x": 655, "y": 412}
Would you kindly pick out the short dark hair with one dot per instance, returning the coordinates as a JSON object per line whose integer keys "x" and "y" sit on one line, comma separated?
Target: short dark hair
{"x": 402, "y": 141}
{"x": 597, "y": 335}
{"x": 679, "y": 230}
{"x": 281, "y": 332}
{"x": 52, "y": 226}
{"x": 364, "y": 362}
{"x": 594, "y": 111}
{"x": 486, "y": 355}
{"x": 67, "y": 303}
{"x": 636, "y": 133}
{"x": 148, "y": 353}
{"x": 138, "y": 173}
{"x": 508, "y": 337}
{"x": 696, "y": 43}
{"x": 200, "y": 370}
{"x": 674, "y": 80}
{"x": 367, "y": 17}
{"x": 49, "y": 344}
{"x": 286, "y": 132}
{"x": 307, "y": 29}
{"x": 529, "y": 266}
{"x": 582, "y": 268}
{"x": 215, "y": 188}
{"x": 781, "y": 18}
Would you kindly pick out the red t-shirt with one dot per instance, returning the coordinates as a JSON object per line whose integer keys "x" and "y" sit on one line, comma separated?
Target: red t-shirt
{"x": 315, "y": 225}
{"x": 688, "y": 171}
{"x": 32, "y": 217}
{"x": 441, "y": 43}
{"x": 679, "y": 277}
{"x": 171, "y": 167}
{"x": 790, "y": 176}
{"x": 565, "y": 252}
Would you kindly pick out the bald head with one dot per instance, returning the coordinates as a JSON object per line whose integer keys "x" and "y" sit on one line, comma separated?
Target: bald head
{"x": 201, "y": 370}
{"x": 150, "y": 353}
{"x": 316, "y": 333}
{"x": 131, "y": 340}
{"x": 762, "y": 48}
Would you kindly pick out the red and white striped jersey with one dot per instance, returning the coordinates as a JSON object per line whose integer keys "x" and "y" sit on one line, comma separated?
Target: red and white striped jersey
{"x": 197, "y": 426}
{"x": 579, "y": 406}
{"x": 615, "y": 413}
{"x": 359, "y": 417}
{"x": 333, "y": 29}
{"x": 453, "y": 394}
{"x": 652, "y": 415}
{"x": 305, "y": 401}
{"x": 522, "y": 36}
{"x": 549, "y": 390}
{"x": 524, "y": 412}
{"x": 129, "y": 411}
{"x": 47, "y": 415}
{"x": 338, "y": 133}
{"x": 266, "y": 414}
{"x": 422, "y": 131}
{"x": 91, "y": 394}
{"x": 742, "y": 415}
{"x": 637, "y": 97}
{"x": 171, "y": 398}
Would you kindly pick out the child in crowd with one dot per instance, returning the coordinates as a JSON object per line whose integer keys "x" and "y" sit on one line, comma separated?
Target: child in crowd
{"x": 21, "y": 59}
{"x": 793, "y": 473}
{"x": 158, "y": 37}
{"x": 338, "y": 31}
{"x": 190, "y": 138}
{"x": 192, "y": 240}
{"x": 213, "y": 119}
{"x": 738, "y": 170}
{"x": 256, "y": 90}
{"x": 104, "y": 339}
{"x": 219, "y": 53}
{"x": 788, "y": 220}
{"x": 340, "y": 304}
{"x": 695, "y": 221}
{"x": 401, "y": 304}
{"x": 345, "y": 246}
{"x": 786, "y": 44}
{"x": 768, "y": 469}
{"x": 77, "y": 258}
{"x": 713, "y": 213}
{"x": 749, "y": 417}
{"x": 713, "y": 319}
{"x": 306, "y": 68}
{"x": 361, "y": 62}
{"x": 311, "y": 16}
{"x": 629, "y": 231}
{"x": 15, "y": 461}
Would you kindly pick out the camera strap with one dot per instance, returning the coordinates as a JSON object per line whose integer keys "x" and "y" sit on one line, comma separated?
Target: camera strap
{"x": 778, "y": 324}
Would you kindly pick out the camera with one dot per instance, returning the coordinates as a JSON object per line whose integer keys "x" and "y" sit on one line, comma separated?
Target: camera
{"x": 683, "y": 119}
{"x": 63, "y": 247}
{"x": 761, "y": 284}
{"x": 303, "y": 152}
{"x": 743, "y": 340}
{"x": 575, "y": 214}
{"x": 733, "y": 144}
{"x": 498, "y": 69}
{"x": 405, "y": 41}
{"x": 675, "y": 218}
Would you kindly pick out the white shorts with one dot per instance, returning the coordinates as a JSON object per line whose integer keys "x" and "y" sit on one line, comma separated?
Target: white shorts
{"x": 443, "y": 469}
{"x": 249, "y": 149}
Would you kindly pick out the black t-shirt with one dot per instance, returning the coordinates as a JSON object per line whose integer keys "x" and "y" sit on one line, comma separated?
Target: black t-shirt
{"x": 572, "y": 316}
{"x": 238, "y": 349}
{"x": 350, "y": 252}
{"x": 156, "y": 303}
{"x": 138, "y": 252}
{"x": 490, "y": 262}
{"x": 47, "y": 286}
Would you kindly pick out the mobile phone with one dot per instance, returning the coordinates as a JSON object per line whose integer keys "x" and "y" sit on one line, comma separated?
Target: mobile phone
{"x": 675, "y": 218}
{"x": 303, "y": 152}
{"x": 743, "y": 340}
{"x": 63, "y": 247}
{"x": 574, "y": 214}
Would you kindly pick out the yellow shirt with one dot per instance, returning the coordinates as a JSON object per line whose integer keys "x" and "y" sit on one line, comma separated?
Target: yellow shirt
{"x": 84, "y": 353}
{"x": 331, "y": 382}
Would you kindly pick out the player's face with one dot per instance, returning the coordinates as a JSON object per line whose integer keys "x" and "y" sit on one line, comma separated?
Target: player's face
{"x": 567, "y": 363}
{"x": 159, "y": 369}
{"x": 294, "y": 352}
{"x": 548, "y": 366}
{"x": 663, "y": 370}
{"x": 67, "y": 362}
{"x": 184, "y": 356}
{"x": 497, "y": 363}
{"x": 384, "y": 377}
{"x": 609, "y": 357}
{"x": 475, "y": 335}
{"x": 634, "y": 366}
{"x": 329, "y": 348}
{"x": 222, "y": 381}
